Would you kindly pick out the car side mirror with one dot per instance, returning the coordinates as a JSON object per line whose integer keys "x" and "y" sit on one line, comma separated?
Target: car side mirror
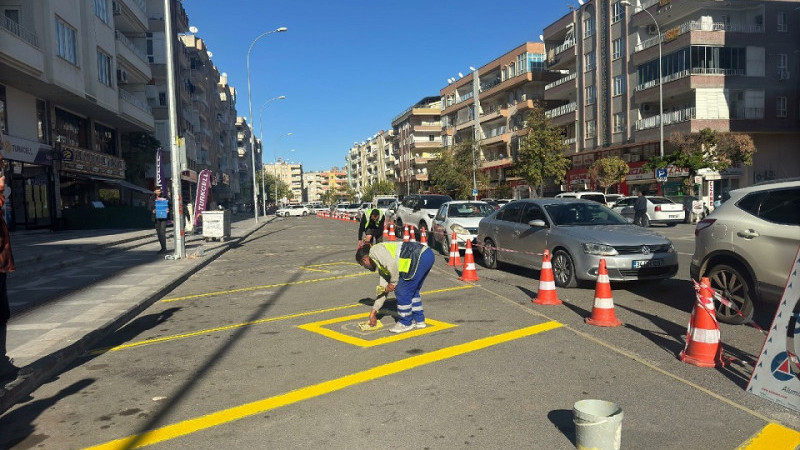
{"x": 539, "y": 223}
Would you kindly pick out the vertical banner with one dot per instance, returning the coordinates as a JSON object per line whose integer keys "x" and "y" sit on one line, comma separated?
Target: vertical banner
{"x": 161, "y": 180}
{"x": 776, "y": 375}
{"x": 203, "y": 191}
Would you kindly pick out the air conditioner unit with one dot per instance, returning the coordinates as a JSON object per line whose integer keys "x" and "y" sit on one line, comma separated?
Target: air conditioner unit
{"x": 116, "y": 8}
{"x": 652, "y": 30}
{"x": 122, "y": 76}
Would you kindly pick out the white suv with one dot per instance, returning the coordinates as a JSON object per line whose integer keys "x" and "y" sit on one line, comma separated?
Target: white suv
{"x": 598, "y": 197}
{"x": 416, "y": 210}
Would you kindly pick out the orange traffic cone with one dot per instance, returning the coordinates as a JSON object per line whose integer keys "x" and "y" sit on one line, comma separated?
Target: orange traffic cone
{"x": 423, "y": 236}
{"x": 547, "y": 285}
{"x": 469, "y": 273}
{"x": 413, "y": 235}
{"x": 703, "y": 348}
{"x": 392, "y": 235}
{"x": 603, "y": 310}
{"x": 455, "y": 255}
{"x": 385, "y": 233}
{"x": 406, "y": 237}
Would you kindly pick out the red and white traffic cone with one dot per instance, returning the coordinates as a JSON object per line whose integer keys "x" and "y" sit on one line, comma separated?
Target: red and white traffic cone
{"x": 469, "y": 273}
{"x": 603, "y": 311}
{"x": 423, "y": 236}
{"x": 547, "y": 285}
{"x": 413, "y": 235}
{"x": 392, "y": 235}
{"x": 406, "y": 236}
{"x": 385, "y": 233}
{"x": 455, "y": 255}
{"x": 703, "y": 347}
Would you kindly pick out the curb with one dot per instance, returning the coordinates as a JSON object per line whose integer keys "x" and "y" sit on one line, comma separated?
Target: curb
{"x": 45, "y": 368}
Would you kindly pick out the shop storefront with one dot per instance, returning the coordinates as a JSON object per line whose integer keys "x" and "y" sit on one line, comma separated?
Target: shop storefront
{"x": 30, "y": 191}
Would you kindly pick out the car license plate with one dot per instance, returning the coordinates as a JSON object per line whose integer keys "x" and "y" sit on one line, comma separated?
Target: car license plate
{"x": 673, "y": 216}
{"x": 647, "y": 263}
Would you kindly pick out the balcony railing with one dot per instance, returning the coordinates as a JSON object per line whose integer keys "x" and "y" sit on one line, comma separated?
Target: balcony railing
{"x": 135, "y": 101}
{"x": 560, "y": 81}
{"x": 561, "y": 110}
{"x": 18, "y": 30}
{"x": 685, "y": 73}
{"x": 682, "y": 115}
{"x": 696, "y": 25}
{"x": 131, "y": 46}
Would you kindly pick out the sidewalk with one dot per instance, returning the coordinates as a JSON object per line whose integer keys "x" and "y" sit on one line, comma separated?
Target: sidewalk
{"x": 44, "y": 339}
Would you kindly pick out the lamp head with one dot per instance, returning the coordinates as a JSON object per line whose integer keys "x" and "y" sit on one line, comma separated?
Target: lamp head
{"x": 282, "y": 97}
{"x": 281, "y": 30}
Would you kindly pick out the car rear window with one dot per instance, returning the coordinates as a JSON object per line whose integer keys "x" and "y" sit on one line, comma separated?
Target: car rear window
{"x": 659, "y": 200}
{"x": 594, "y": 197}
{"x": 433, "y": 202}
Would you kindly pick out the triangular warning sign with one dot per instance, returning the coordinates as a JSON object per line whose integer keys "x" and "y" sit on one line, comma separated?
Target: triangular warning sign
{"x": 784, "y": 367}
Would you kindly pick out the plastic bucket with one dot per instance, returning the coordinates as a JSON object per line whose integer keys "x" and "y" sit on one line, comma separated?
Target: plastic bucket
{"x": 598, "y": 425}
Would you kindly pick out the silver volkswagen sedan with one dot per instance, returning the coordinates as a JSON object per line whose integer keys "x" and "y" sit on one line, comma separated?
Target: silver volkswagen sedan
{"x": 578, "y": 233}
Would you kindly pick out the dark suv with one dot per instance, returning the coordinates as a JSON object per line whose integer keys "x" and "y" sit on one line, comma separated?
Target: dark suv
{"x": 416, "y": 210}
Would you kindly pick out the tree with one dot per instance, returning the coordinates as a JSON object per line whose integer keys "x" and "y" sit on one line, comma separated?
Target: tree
{"x": 706, "y": 149}
{"x": 540, "y": 158}
{"x": 609, "y": 171}
{"x": 139, "y": 152}
{"x": 452, "y": 172}
{"x": 378, "y": 188}
{"x": 269, "y": 186}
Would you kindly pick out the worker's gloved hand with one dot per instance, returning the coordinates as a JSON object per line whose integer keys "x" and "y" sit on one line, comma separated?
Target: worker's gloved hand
{"x": 379, "y": 290}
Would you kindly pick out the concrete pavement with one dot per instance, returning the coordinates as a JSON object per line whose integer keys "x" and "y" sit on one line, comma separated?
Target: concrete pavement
{"x": 95, "y": 281}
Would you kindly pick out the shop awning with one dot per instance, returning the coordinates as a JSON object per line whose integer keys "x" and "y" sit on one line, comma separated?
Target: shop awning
{"x": 123, "y": 183}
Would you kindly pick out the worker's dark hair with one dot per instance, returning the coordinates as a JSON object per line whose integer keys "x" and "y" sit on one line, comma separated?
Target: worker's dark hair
{"x": 375, "y": 212}
{"x": 362, "y": 252}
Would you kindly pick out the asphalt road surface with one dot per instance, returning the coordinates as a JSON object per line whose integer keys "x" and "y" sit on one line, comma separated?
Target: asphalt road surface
{"x": 261, "y": 349}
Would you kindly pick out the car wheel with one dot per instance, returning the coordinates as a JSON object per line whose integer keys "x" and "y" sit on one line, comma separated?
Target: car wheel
{"x": 489, "y": 254}
{"x": 304, "y": 213}
{"x": 398, "y": 229}
{"x": 736, "y": 287}
{"x": 444, "y": 246}
{"x": 564, "y": 270}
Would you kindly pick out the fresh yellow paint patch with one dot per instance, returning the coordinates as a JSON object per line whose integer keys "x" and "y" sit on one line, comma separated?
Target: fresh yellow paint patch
{"x": 351, "y": 328}
{"x": 773, "y": 437}
{"x": 224, "y": 416}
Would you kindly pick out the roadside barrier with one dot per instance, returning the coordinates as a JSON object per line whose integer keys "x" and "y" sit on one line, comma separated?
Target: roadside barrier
{"x": 732, "y": 306}
{"x": 703, "y": 347}
{"x": 469, "y": 273}
{"x": 603, "y": 310}
{"x": 455, "y": 255}
{"x": 547, "y": 285}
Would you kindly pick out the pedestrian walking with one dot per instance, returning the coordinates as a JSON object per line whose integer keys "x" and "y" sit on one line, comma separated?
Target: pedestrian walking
{"x": 160, "y": 208}
{"x": 8, "y": 371}
{"x": 640, "y": 210}
{"x": 371, "y": 227}
{"x": 402, "y": 268}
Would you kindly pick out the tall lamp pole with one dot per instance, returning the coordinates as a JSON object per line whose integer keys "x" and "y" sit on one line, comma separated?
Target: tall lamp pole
{"x": 660, "y": 78}
{"x": 250, "y": 107}
{"x": 476, "y": 88}
{"x": 261, "y": 136}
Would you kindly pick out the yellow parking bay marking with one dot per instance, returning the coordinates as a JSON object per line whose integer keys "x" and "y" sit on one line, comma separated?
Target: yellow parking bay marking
{"x": 319, "y": 328}
{"x": 318, "y": 267}
{"x": 224, "y": 416}
{"x": 773, "y": 437}
{"x": 266, "y": 286}
{"x": 253, "y": 322}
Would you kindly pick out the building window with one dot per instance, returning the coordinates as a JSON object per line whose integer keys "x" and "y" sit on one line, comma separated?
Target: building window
{"x": 588, "y": 26}
{"x": 105, "y": 140}
{"x": 74, "y": 129}
{"x": 42, "y": 122}
{"x": 66, "y": 41}
{"x": 431, "y": 138}
{"x": 591, "y": 128}
{"x": 783, "y": 26}
{"x": 780, "y": 106}
{"x": 617, "y": 12}
{"x": 619, "y": 122}
{"x": 617, "y": 48}
{"x": 103, "y": 67}
{"x": 101, "y": 9}
{"x": 588, "y": 61}
{"x": 619, "y": 85}
{"x": 590, "y": 95}
{"x": 3, "y": 111}
{"x": 162, "y": 99}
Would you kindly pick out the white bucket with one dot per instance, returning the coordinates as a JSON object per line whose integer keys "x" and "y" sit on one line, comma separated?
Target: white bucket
{"x": 598, "y": 425}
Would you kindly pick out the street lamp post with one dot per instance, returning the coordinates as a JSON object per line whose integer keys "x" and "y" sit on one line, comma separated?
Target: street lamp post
{"x": 476, "y": 88}
{"x": 261, "y": 136}
{"x": 660, "y": 78}
{"x": 250, "y": 106}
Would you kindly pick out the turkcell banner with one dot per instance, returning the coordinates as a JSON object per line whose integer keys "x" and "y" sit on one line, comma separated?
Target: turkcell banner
{"x": 776, "y": 376}
{"x": 160, "y": 180}
{"x": 203, "y": 192}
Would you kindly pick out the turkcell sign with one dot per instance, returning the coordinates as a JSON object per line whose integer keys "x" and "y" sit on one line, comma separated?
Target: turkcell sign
{"x": 203, "y": 186}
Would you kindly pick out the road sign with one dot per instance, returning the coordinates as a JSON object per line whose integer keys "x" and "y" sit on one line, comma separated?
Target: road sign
{"x": 661, "y": 175}
{"x": 474, "y": 192}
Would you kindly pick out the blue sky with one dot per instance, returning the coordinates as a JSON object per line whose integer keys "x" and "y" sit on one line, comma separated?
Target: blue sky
{"x": 348, "y": 67}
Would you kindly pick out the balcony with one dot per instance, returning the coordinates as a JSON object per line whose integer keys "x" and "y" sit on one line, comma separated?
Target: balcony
{"x": 134, "y": 56}
{"x": 561, "y": 110}
{"x": 136, "y": 110}
{"x": 130, "y": 15}
{"x": 19, "y": 48}
{"x": 556, "y": 56}
{"x": 695, "y": 25}
{"x": 496, "y": 162}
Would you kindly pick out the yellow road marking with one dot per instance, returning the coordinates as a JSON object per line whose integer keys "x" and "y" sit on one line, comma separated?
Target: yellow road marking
{"x": 319, "y": 328}
{"x": 266, "y": 286}
{"x": 253, "y": 322}
{"x": 773, "y": 437}
{"x": 224, "y": 416}
{"x": 309, "y": 267}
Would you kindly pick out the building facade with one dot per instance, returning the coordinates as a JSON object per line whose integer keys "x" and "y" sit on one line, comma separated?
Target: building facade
{"x": 418, "y": 136}
{"x": 372, "y": 161}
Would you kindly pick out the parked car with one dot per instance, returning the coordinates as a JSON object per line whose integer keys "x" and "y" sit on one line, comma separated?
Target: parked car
{"x": 460, "y": 217}
{"x": 348, "y": 209}
{"x": 315, "y": 209}
{"x": 688, "y": 202}
{"x": 598, "y": 197}
{"x": 578, "y": 233}
{"x": 659, "y": 210}
{"x": 292, "y": 210}
{"x": 416, "y": 210}
{"x": 613, "y": 198}
{"x": 747, "y": 245}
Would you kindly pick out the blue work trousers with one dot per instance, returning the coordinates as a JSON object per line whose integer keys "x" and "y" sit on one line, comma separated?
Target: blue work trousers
{"x": 409, "y": 302}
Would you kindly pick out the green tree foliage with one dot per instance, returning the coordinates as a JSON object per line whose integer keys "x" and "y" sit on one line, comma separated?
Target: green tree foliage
{"x": 609, "y": 171}
{"x": 269, "y": 186}
{"x": 540, "y": 158}
{"x": 452, "y": 172}
{"x": 378, "y": 188}
{"x": 139, "y": 152}
{"x": 706, "y": 149}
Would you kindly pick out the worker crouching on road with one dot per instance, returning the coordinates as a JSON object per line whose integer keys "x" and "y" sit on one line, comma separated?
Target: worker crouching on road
{"x": 402, "y": 267}
{"x": 371, "y": 227}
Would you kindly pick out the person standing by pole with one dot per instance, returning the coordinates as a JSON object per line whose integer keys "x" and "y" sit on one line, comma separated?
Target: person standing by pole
{"x": 8, "y": 371}
{"x": 640, "y": 210}
{"x": 160, "y": 210}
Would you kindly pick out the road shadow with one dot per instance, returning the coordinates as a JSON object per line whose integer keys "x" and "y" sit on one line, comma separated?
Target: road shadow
{"x": 562, "y": 420}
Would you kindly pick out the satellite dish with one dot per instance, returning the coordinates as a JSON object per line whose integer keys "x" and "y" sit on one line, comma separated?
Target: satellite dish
{"x": 460, "y": 75}
{"x": 210, "y": 54}
{"x": 541, "y": 37}
{"x": 580, "y": 2}
{"x": 192, "y": 29}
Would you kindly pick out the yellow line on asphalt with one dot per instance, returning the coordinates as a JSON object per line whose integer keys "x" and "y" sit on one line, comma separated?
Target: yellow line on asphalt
{"x": 252, "y": 322}
{"x": 309, "y": 267}
{"x": 266, "y": 286}
{"x": 224, "y": 416}
{"x": 773, "y": 437}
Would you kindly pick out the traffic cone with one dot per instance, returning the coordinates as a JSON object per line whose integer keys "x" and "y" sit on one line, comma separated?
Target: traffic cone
{"x": 603, "y": 310}
{"x": 406, "y": 236}
{"x": 703, "y": 348}
{"x": 385, "y": 233}
{"x": 455, "y": 255}
{"x": 423, "y": 236}
{"x": 392, "y": 235}
{"x": 469, "y": 273}
{"x": 547, "y": 285}
{"x": 413, "y": 234}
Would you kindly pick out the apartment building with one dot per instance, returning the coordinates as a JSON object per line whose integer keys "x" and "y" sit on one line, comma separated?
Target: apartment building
{"x": 502, "y": 91}
{"x": 244, "y": 161}
{"x": 372, "y": 160}
{"x": 418, "y": 132}
{"x": 730, "y": 66}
